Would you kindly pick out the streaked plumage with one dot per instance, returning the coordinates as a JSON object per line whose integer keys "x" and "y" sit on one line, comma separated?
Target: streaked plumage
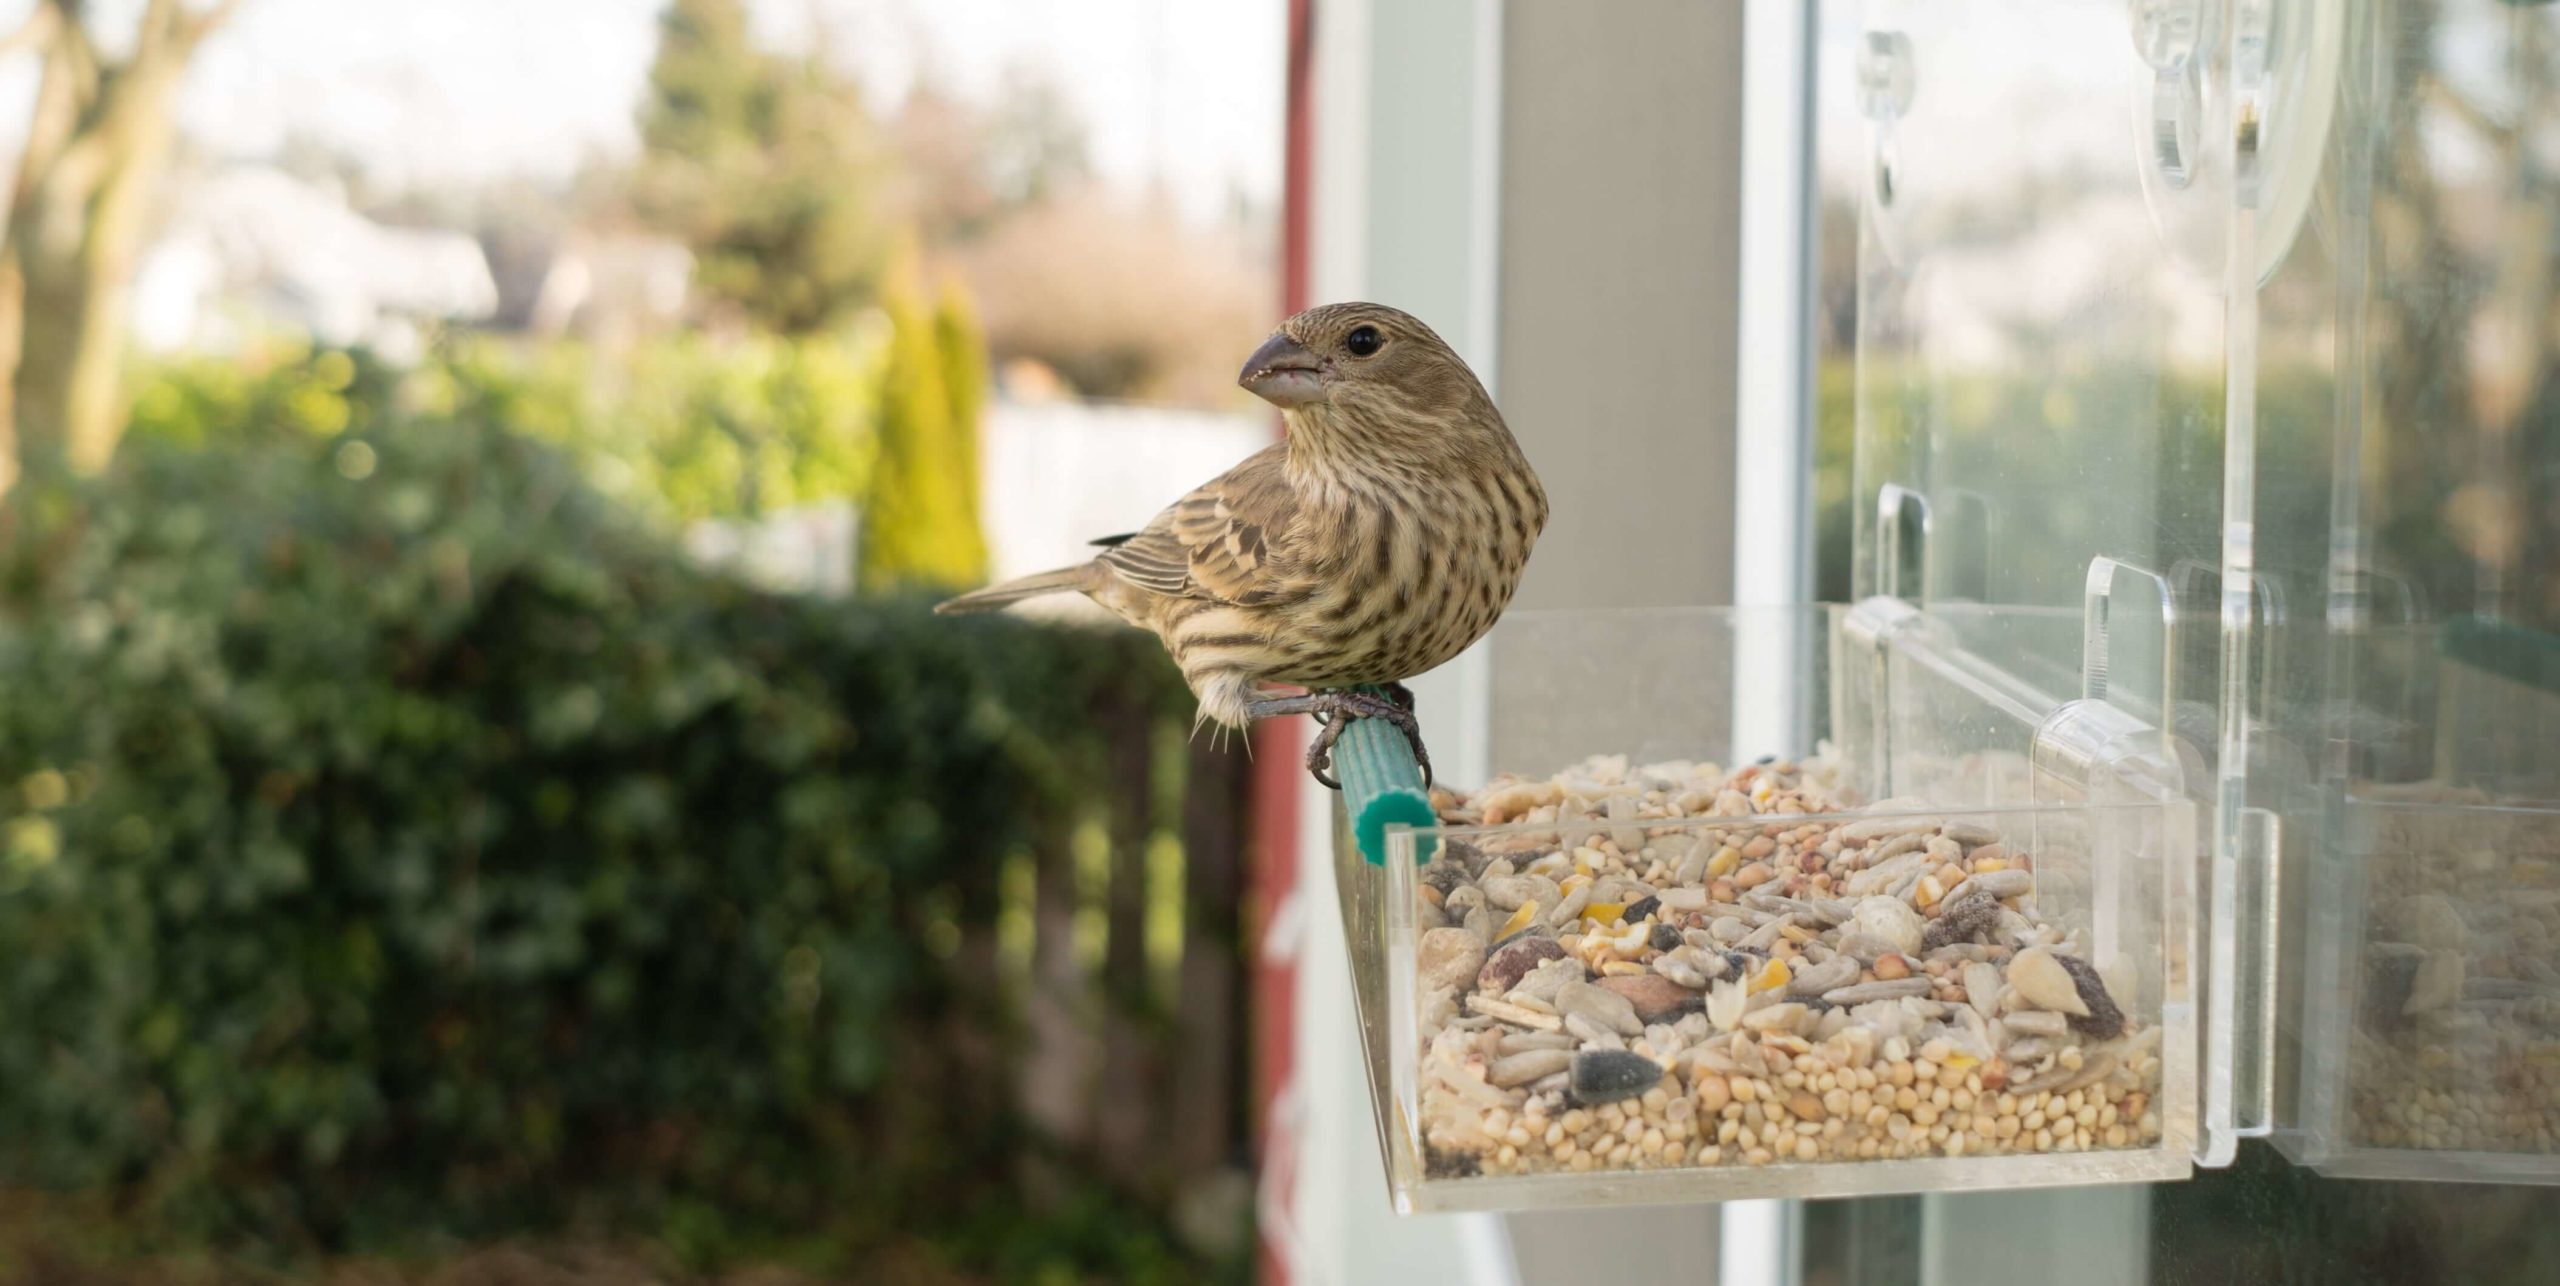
{"x": 1384, "y": 535}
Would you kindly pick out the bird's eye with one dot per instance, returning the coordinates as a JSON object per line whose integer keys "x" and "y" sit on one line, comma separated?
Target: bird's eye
{"x": 1364, "y": 340}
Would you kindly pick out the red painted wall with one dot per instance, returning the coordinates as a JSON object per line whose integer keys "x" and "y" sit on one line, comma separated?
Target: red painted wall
{"x": 1278, "y": 744}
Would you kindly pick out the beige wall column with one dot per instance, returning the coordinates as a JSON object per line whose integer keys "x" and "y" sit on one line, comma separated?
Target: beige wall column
{"x": 1620, "y": 223}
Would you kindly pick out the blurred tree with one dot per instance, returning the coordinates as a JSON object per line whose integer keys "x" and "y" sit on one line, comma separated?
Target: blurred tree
{"x": 1124, "y": 299}
{"x": 919, "y": 519}
{"x": 1034, "y": 145}
{"x": 97, "y": 138}
{"x": 967, "y": 168}
{"x": 942, "y": 152}
{"x": 766, "y": 167}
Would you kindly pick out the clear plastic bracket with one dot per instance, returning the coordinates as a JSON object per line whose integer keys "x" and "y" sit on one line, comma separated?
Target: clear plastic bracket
{"x": 1862, "y": 707}
{"x": 2099, "y": 749}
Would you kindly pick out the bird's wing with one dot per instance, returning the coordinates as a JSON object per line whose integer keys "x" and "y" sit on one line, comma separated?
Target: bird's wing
{"x": 1216, "y": 542}
{"x": 1108, "y": 541}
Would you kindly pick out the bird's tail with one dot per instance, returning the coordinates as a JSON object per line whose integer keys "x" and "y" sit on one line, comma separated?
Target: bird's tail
{"x": 995, "y": 597}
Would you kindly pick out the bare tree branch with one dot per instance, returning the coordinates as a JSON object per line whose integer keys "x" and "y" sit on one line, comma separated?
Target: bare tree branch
{"x": 123, "y": 97}
{"x": 72, "y": 31}
{"x": 159, "y": 18}
{"x": 72, "y": 54}
{"x": 193, "y": 27}
{"x": 98, "y": 138}
{"x": 37, "y": 29}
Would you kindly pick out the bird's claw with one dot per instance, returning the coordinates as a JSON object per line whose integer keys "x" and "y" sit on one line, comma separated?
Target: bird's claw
{"x": 1317, "y": 768}
{"x": 1354, "y": 706}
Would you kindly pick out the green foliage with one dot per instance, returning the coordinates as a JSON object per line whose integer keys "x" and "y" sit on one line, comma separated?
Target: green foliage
{"x": 961, "y": 346}
{"x": 692, "y": 427}
{"x": 295, "y": 393}
{"x": 766, "y": 167}
{"x": 961, "y": 349}
{"x": 680, "y": 429}
{"x": 398, "y": 842}
{"x": 920, "y": 523}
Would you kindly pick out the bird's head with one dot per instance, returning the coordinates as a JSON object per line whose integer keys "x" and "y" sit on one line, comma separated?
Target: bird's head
{"x": 1367, "y": 361}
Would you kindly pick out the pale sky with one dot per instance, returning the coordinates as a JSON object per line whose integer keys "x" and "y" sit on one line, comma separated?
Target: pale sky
{"x": 446, "y": 90}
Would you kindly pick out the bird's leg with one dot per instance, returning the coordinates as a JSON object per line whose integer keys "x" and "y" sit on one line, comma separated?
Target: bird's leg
{"x": 1402, "y": 696}
{"x": 1334, "y": 710}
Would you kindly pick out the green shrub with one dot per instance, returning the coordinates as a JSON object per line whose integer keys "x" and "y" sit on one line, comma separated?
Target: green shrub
{"x": 961, "y": 343}
{"x": 397, "y": 842}
{"x": 676, "y": 429}
{"x": 920, "y": 523}
{"x": 688, "y": 427}
{"x": 286, "y": 392}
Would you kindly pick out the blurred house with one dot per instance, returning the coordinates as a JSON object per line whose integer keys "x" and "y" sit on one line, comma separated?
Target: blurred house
{"x": 252, "y": 249}
{"x": 605, "y": 286}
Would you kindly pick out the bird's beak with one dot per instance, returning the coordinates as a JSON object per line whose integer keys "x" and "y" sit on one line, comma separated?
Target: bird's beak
{"x": 1283, "y": 373}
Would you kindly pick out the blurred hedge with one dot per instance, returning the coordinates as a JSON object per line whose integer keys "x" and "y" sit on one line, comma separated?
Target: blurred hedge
{"x": 678, "y": 428}
{"x": 398, "y": 842}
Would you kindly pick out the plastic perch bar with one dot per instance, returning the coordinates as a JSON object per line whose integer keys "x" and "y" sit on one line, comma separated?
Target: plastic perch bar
{"x": 1381, "y": 786}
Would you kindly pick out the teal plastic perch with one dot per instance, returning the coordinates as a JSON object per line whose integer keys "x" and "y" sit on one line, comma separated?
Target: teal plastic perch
{"x": 1381, "y": 787}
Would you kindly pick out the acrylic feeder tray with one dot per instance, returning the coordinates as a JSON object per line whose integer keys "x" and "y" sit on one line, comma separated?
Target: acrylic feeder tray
{"x": 1693, "y": 973}
{"x": 2435, "y": 1051}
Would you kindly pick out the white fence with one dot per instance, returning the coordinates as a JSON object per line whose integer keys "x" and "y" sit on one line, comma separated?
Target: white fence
{"x": 1053, "y": 476}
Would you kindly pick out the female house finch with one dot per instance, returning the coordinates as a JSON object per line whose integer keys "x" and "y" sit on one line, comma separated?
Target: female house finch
{"x": 1378, "y": 540}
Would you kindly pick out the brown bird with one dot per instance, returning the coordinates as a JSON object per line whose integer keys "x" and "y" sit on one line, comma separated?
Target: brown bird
{"x": 1378, "y": 540}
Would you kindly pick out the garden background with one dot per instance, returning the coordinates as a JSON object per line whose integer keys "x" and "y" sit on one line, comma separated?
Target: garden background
{"x": 481, "y": 795}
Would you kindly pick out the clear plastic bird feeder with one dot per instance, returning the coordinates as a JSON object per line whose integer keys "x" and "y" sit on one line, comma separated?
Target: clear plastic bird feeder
{"x": 2204, "y": 549}
{"x": 1867, "y": 1082}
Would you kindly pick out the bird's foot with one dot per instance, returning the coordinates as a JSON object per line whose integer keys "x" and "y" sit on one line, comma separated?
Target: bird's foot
{"x": 1320, "y": 752}
{"x": 1335, "y": 711}
{"x": 1401, "y": 697}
